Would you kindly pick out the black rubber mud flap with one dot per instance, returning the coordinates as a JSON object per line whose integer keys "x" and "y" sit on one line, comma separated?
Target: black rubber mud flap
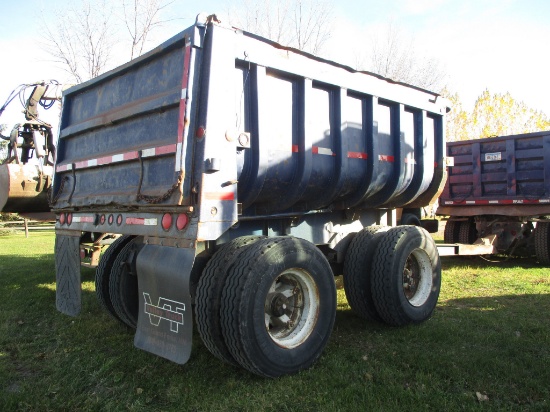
{"x": 67, "y": 273}
{"x": 165, "y": 320}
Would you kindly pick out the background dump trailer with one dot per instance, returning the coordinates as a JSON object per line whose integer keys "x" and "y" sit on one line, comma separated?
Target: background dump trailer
{"x": 243, "y": 175}
{"x": 498, "y": 193}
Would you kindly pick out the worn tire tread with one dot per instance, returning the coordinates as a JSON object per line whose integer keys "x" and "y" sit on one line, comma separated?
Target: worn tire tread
{"x": 386, "y": 296}
{"x": 451, "y": 232}
{"x": 103, "y": 273}
{"x": 542, "y": 242}
{"x": 357, "y": 273}
{"x": 115, "y": 289}
{"x": 240, "y": 288}
{"x": 208, "y": 296}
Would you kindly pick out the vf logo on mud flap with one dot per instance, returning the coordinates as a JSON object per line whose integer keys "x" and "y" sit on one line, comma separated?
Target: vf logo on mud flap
{"x": 166, "y": 309}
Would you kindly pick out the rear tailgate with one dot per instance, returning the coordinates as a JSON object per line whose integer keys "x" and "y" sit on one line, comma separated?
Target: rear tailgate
{"x": 122, "y": 138}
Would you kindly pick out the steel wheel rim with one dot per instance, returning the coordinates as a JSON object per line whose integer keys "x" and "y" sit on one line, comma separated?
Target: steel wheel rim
{"x": 417, "y": 277}
{"x": 291, "y": 308}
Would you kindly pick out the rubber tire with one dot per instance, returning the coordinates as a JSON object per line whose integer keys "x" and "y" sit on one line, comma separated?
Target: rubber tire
{"x": 103, "y": 274}
{"x": 243, "y": 306}
{"x": 542, "y": 242}
{"x": 452, "y": 228}
{"x": 409, "y": 219}
{"x": 467, "y": 232}
{"x": 389, "y": 262}
{"x": 208, "y": 296}
{"x": 123, "y": 288}
{"x": 358, "y": 272}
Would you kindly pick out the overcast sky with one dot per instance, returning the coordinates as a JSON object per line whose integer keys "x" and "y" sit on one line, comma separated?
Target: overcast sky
{"x": 499, "y": 45}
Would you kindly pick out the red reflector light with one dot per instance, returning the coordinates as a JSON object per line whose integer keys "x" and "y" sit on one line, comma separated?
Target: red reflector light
{"x": 62, "y": 219}
{"x": 182, "y": 221}
{"x": 111, "y": 219}
{"x": 166, "y": 222}
{"x": 201, "y": 131}
{"x": 102, "y": 219}
{"x": 119, "y": 220}
{"x": 69, "y": 218}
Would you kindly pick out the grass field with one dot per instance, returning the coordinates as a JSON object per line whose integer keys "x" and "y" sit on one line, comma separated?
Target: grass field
{"x": 487, "y": 347}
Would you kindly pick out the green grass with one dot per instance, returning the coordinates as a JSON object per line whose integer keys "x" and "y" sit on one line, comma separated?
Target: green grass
{"x": 490, "y": 335}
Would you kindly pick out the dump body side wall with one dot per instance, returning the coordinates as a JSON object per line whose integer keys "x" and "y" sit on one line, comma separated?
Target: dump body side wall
{"x": 308, "y": 134}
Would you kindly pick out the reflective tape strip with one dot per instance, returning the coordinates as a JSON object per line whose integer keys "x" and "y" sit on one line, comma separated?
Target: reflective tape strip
{"x": 219, "y": 196}
{"x": 357, "y": 155}
{"x": 120, "y": 157}
{"x": 141, "y": 221}
{"x": 497, "y": 202}
{"x": 386, "y": 158}
{"x": 64, "y": 168}
{"x": 83, "y": 219}
{"x": 322, "y": 151}
{"x": 148, "y": 153}
{"x": 183, "y": 100}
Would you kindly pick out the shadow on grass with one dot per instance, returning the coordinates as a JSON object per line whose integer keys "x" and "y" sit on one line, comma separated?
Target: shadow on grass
{"x": 484, "y": 262}
{"x": 497, "y": 345}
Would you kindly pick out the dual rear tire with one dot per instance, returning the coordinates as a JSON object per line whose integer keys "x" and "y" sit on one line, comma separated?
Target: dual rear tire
{"x": 460, "y": 231}
{"x": 393, "y": 276}
{"x": 116, "y": 285}
{"x": 542, "y": 242}
{"x": 276, "y": 305}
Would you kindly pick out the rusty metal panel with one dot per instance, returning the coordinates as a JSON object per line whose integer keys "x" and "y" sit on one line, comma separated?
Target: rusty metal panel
{"x": 507, "y": 175}
{"x": 122, "y": 134}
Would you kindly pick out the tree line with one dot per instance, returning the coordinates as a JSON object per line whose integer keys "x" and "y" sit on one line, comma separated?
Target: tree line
{"x": 81, "y": 40}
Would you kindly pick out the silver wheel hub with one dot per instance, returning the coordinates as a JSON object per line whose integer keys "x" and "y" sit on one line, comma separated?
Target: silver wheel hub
{"x": 291, "y": 308}
{"x": 417, "y": 277}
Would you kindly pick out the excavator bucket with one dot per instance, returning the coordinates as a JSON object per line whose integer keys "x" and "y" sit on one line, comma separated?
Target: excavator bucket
{"x": 23, "y": 188}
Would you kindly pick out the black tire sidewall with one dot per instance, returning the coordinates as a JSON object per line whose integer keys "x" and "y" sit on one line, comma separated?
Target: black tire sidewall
{"x": 358, "y": 272}
{"x": 268, "y": 355}
{"x": 401, "y": 312}
{"x": 103, "y": 273}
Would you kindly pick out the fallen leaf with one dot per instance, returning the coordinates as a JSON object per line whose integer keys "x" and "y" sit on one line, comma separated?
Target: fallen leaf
{"x": 481, "y": 397}
{"x": 139, "y": 391}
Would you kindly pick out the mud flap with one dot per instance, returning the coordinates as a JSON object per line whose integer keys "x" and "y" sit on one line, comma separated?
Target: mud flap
{"x": 67, "y": 274}
{"x": 165, "y": 320}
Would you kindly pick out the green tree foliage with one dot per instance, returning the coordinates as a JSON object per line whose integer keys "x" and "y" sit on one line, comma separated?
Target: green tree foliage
{"x": 493, "y": 114}
{"x": 457, "y": 119}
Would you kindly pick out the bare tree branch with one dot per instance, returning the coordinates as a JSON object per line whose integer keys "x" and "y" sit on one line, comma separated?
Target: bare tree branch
{"x": 81, "y": 40}
{"x": 84, "y": 35}
{"x": 140, "y": 18}
{"x": 394, "y": 56}
{"x": 303, "y": 24}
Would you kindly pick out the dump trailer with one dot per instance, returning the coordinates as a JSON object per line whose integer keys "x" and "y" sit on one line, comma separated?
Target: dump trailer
{"x": 498, "y": 194}
{"x": 243, "y": 176}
